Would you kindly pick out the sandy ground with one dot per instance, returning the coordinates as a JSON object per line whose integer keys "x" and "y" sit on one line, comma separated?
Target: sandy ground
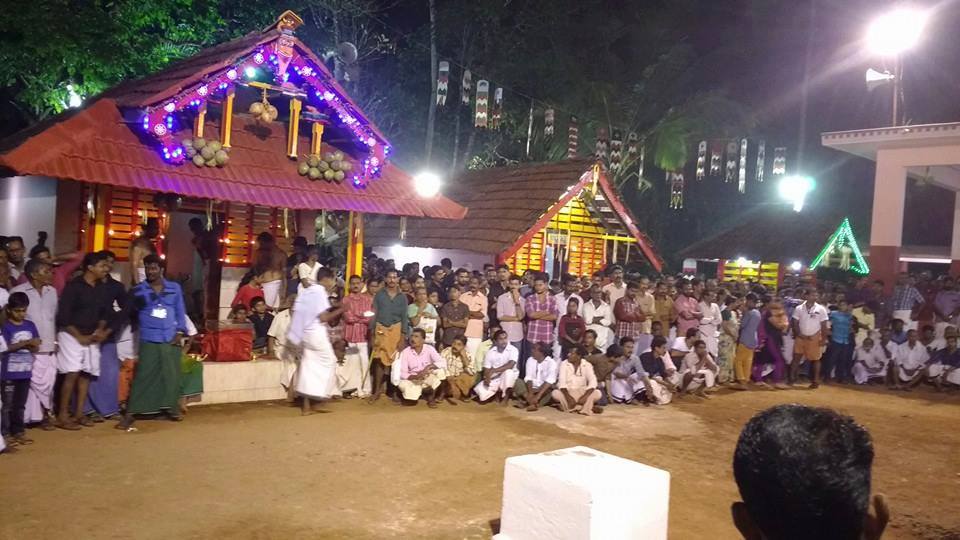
{"x": 259, "y": 471}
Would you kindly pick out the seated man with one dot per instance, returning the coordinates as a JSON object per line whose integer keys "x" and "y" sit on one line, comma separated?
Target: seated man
{"x": 663, "y": 375}
{"x": 421, "y": 370}
{"x": 500, "y": 371}
{"x": 629, "y": 382}
{"x": 460, "y": 372}
{"x": 944, "y": 364}
{"x": 789, "y": 493}
{"x": 912, "y": 358}
{"x": 577, "y": 385}
{"x": 698, "y": 371}
{"x": 533, "y": 391}
{"x": 869, "y": 362}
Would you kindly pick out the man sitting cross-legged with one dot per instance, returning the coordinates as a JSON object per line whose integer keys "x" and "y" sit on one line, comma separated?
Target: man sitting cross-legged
{"x": 577, "y": 384}
{"x": 534, "y": 390}
{"x": 460, "y": 372}
{"x": 499, "y": 370}
{"x": 699, "y": 371}
{"x": 421, "y": 370}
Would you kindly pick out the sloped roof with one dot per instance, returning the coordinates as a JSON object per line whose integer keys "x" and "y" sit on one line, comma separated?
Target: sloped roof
{"x": 97, "y": 146}
{"x": 505, "y": 203}
{"x": 773, "y": 232}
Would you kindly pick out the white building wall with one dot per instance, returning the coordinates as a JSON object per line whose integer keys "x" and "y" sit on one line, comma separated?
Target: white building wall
{"x": 28, "y": 204}
{"x": 431, "y": 257}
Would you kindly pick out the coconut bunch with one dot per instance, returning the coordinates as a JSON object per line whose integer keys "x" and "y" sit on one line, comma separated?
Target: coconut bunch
{"x": 206, "y": 153}
{"x": 263, "y": 111}
{"x": 332, "y": 166}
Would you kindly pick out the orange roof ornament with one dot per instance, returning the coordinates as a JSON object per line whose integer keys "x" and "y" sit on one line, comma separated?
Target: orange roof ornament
{"x": 287, "y": 23}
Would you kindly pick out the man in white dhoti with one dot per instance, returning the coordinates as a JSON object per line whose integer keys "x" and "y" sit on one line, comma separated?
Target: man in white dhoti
{"x": 944, "y": 365}
{"x": 710, "y": 323}
{"x": 316, "y": 376}
{"x": 500, "y": 371}
{"x": 42, "y": 312}
{"x": 912, "y": 359}
{"x": 698, "y": 371}
{"x": 629, "y": 382}
{"x": 869, "y": 362}
{"x": 598, "y": 315}
{"x": 421, "y": 370}
{"x": 279, "y": 348}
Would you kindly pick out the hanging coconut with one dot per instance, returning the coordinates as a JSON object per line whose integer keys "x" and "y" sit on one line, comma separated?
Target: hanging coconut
{"x": 315, "y": 173}
{"x": 329, "y": 174}
{"x": 256, "y": 108}
{"x": 338, "y": 176}
{"x": 221, "y": 157}
{"x": 198, "y": 159}
{"x": 303, "y": 168}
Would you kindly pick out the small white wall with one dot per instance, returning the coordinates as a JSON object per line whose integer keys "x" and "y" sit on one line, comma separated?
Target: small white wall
{"x": 431, "y": 257}
{"x": 229, "y": 283}
{"x": 28, "y": 204}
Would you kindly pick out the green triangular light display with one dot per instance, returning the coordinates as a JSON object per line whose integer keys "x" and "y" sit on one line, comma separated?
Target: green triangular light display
{"x": 842, "y": 251}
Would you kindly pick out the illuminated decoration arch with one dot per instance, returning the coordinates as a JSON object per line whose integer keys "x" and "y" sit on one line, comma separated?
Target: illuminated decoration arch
{"x": 842, "y": 251}
{"x": 281, "y": 56}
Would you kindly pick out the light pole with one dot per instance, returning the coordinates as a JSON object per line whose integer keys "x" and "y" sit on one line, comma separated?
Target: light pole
{"x": 890, "y": 36}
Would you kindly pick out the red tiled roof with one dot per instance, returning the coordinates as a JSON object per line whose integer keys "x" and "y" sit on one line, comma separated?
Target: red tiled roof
{"x": 96, "y": 145}
{"x": 505, "y": 203}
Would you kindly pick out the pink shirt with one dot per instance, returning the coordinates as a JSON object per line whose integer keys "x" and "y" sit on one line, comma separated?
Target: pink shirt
{"x": 475, "y": 302}
{"x": 412, "y": 362}
{"x": 688, "y": 314}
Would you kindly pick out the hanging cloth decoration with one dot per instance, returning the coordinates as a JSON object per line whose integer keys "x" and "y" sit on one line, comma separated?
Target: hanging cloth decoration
{"x": 731, "y": 166}
{"x": 616, "y": 151}
{"x": 602, "y": 148}
{"x": 640, "y": 159}
{"x": 465, "y": 88}
{"x": 573, "y": 138}
{"x": 761, "y": 160}
{"x": 675, "y": 181}
{"x": 443, "y": 83}
{"x": 483, "y": 98}
{"x": 715, "y": 158}
{"x": 701, "y": 160}
{"x": 548, "y": 117}
{"x": 779, "y": 161}
{"x": 742, "y": 174}
{"x": 633, "y": 145}
{"x": 497, "y": 108}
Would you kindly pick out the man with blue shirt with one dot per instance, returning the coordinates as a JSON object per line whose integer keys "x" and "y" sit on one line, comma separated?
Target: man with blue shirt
{"x": 839, "y": 355}
{"x": 747, "y": 344}
{"x": 160, "y": 310}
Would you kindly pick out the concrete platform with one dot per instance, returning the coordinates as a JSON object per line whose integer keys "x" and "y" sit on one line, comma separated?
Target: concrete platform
{"x": 238, "y": 382}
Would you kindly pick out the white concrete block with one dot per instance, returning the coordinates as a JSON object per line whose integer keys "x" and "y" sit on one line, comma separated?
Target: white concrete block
{"x": 580, "y": 493}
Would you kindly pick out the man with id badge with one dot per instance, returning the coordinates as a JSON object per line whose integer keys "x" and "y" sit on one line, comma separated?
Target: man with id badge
{"x": 162, "y": 317}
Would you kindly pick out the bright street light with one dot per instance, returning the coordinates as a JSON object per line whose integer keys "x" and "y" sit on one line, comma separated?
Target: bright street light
{"x": 896, "y": 32}
{"x": 795, "y": 189}
{"x": 427, "y": 184}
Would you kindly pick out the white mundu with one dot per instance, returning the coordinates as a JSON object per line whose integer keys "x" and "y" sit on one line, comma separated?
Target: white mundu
{"x": 503, "y": 381}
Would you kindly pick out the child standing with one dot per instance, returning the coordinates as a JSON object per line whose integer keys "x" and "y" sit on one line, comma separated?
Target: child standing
{"x": 571, "y": 328}
{"x": 16, "y": 367}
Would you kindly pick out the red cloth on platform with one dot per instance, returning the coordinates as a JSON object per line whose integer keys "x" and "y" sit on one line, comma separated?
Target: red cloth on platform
{"x": 233, "y": 345}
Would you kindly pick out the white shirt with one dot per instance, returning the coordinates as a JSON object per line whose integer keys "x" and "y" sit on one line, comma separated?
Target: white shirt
{"x": 679, "y": 344}
{"x": 935, "y": 345}
{"x": 912, "y": 358}
{"x": 4, "y": 298}
{"x": 711, "y": 319}
{"x": 873, "y": 358}
{"x": 603, "y": 310}
{"x": 42, "y": 312}
{"x": 809, "y": 318}
{"x": 14, "y": 271}
{"x": 615, "y": 293}
{"x": 495, "y": 359}
{"x": 540, "y": 373}
{"x": 279, "y": 326}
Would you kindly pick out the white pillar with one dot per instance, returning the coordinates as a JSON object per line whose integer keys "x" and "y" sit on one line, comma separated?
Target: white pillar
{"x": 955, "y": 243}
{"x": 886, "y": 229}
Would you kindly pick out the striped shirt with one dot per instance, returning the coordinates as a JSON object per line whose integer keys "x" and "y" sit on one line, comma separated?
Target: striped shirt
{"x": 539, "y": 330}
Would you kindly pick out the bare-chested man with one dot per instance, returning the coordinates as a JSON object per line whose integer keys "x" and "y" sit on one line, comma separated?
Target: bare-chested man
{"x": 270, "y": 266}
{"x": 143, "y": 245}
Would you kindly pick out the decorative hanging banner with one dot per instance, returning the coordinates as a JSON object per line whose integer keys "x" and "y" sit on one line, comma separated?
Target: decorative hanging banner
{"x": 731, "y": 168}
{"x": 602, "y": 148}
{"x": 465, "y": 88}
{"x": 643, "y": 151}
{"x": 497, "y": 108}
{"x": 779, "y": 161}
{"x": 548, "y": 118}
{"x": 443, "y": 83}
{"x": 675, "y": 180}
{"x": 573, "y": 138}
{"x": 715, "y": 158}
{"x": 742, "y": 174}
{"x": 761, "y": 160}
{"x": 633, "y": 145}
{"x": 616, "y": 151}
{"x": 701, "y": 160}
{"x": 483, "y": 98}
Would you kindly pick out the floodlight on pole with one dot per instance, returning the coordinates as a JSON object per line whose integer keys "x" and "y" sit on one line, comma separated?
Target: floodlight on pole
{"x": 795, "y": 189}
{"x": 890, "y": 36}
{"x": 427, "y": 184}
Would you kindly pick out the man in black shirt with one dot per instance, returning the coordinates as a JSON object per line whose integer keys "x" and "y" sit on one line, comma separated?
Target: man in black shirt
{"x": 102, "y": 394}
{"x": 82, "y": 325}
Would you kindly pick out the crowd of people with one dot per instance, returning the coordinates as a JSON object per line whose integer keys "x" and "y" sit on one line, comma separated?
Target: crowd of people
{"x": 73, "y": 333}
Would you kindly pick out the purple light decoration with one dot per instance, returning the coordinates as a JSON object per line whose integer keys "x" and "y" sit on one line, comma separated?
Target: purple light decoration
{"x": 160, "y": 130}
{"x": 146, "y": 123}
{"x": 170, "y": 107}
{"x": 371, "y": 142}
{"x": 202, "y": 90}
{"x": 374, "y": 161}
{"x": 329, "y": 96}
{"x": 258, "y": 58}
{"x": 232, "y": 74}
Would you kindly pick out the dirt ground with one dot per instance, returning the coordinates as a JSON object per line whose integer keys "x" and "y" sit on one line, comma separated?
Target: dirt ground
{"x": 260, "y": 471}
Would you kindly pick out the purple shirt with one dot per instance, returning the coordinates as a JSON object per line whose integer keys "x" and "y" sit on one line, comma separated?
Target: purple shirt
{"x": 412, "y": 362}
{"x": 686, "y": 306}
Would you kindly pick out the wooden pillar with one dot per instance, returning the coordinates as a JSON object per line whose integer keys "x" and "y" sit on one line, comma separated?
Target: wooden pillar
{"x": 200, "y": 119}
{"x": 102, "y": 202}
{"x": 355, "y": 245}
{"x": 226, "y": 119}
{"x": 293, "y": 129}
